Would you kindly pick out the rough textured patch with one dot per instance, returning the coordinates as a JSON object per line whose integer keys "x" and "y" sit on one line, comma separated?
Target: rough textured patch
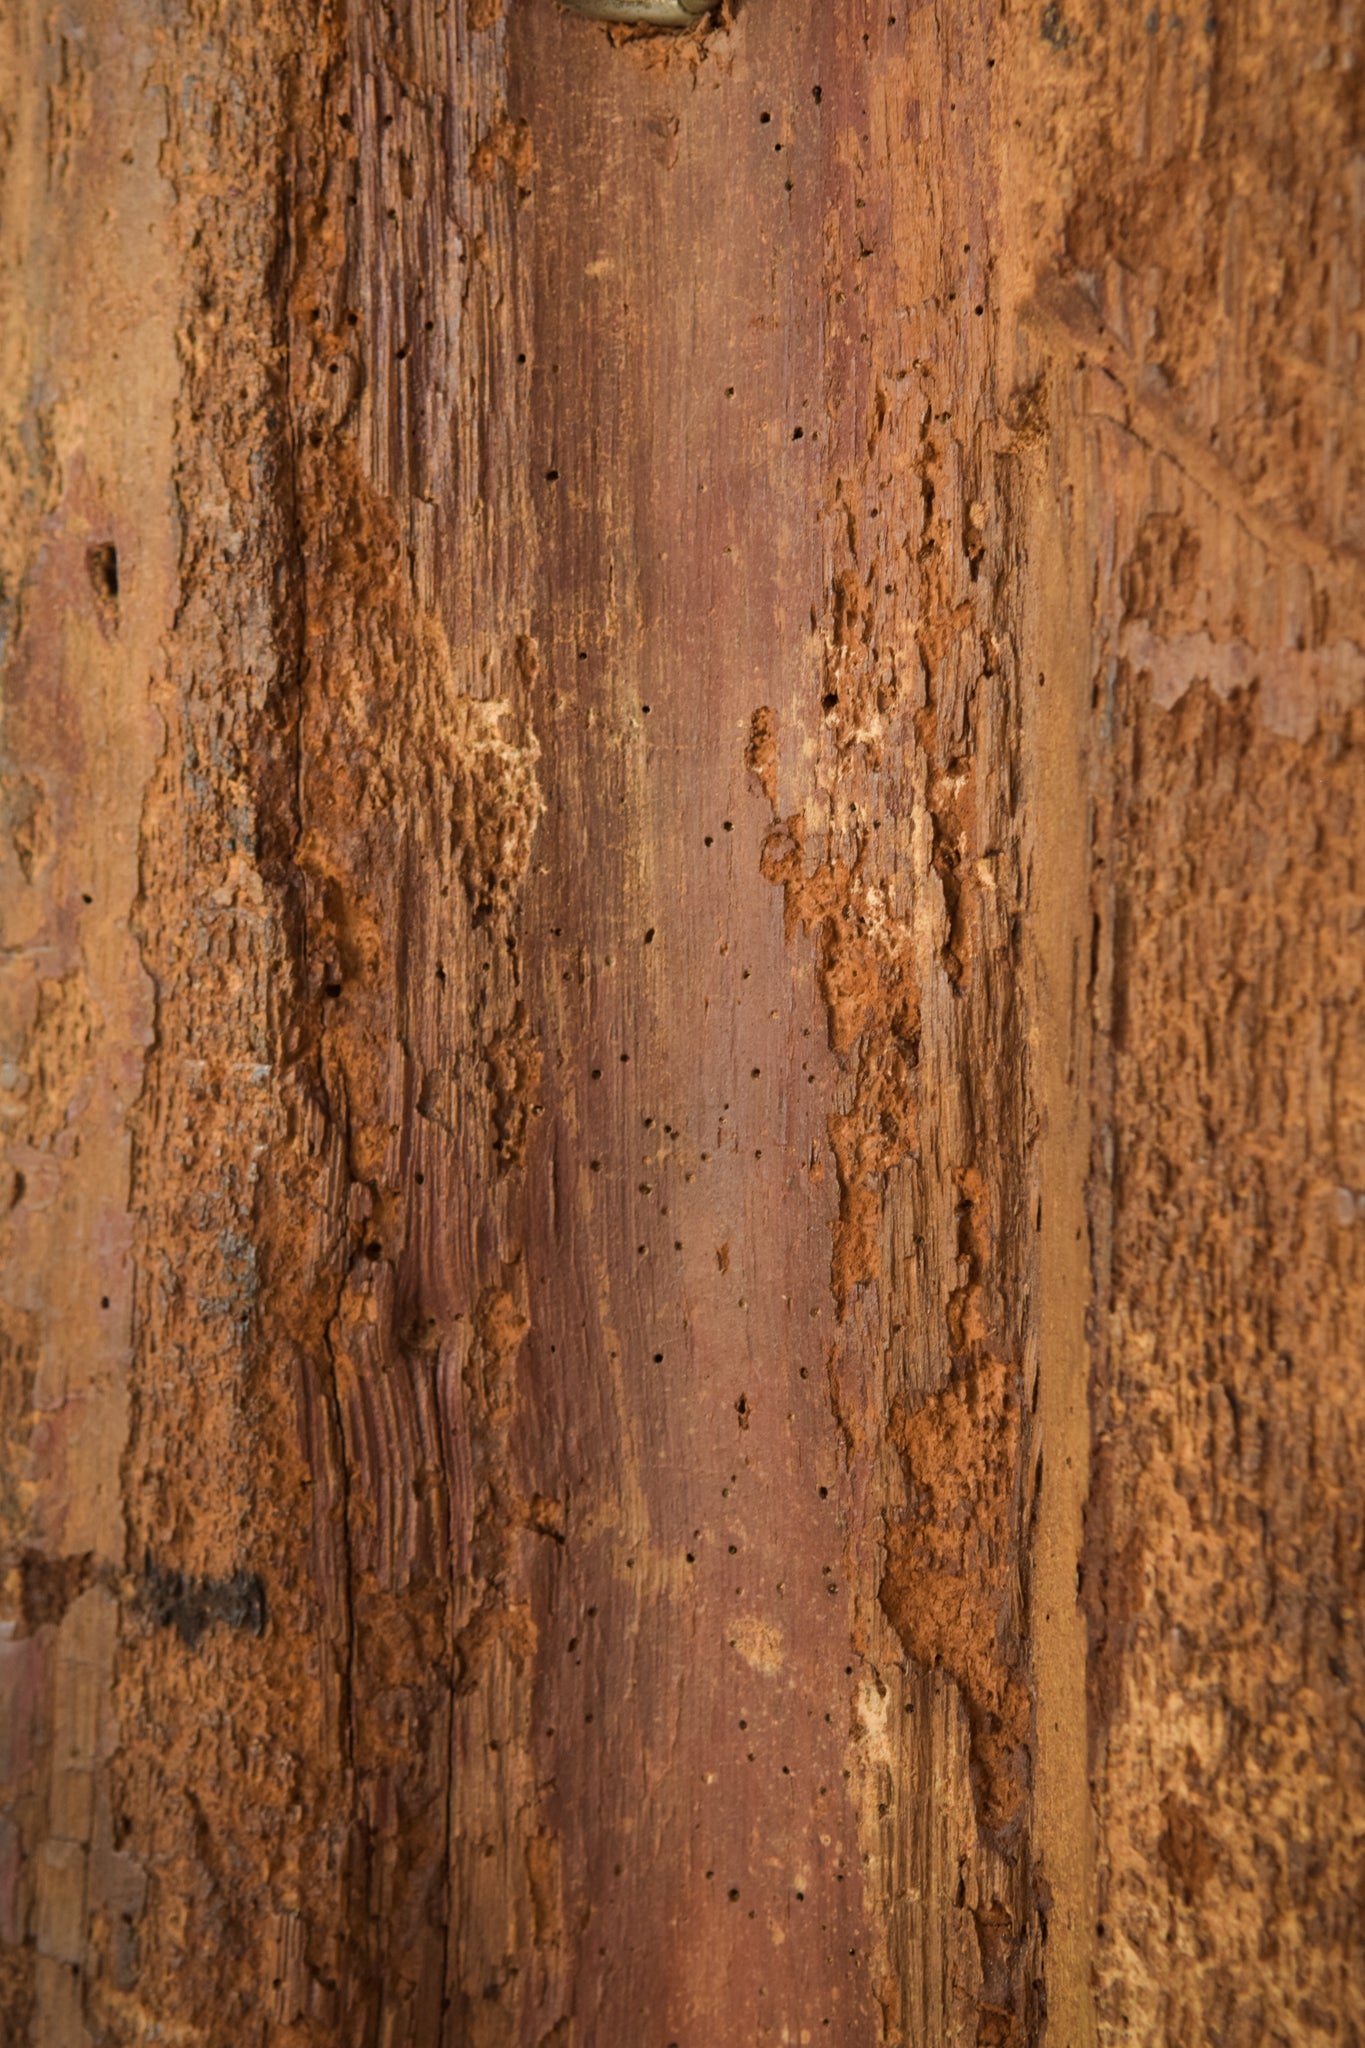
{"x": 950, "y": 1566}
{"x": 1225, "y": 1543}
{"x": 677, "y": 818}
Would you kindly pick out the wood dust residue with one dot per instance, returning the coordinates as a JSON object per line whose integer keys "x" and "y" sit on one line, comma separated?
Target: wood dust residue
{"x": 867, "y": 980}
{"x": 951, "y": 1567}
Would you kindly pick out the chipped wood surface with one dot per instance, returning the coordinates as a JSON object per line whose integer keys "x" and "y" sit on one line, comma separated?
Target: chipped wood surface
{"x": 681, "y": 769}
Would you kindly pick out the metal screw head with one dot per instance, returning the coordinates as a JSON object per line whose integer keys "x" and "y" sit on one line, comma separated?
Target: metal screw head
{"x": 650, "y": 13}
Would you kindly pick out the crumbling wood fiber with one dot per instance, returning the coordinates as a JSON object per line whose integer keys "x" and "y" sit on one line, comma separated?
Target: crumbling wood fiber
{"x": 682, "y": 1083}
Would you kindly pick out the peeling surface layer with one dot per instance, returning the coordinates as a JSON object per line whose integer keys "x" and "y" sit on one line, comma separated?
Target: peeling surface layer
{"x": 680, "y": 1054}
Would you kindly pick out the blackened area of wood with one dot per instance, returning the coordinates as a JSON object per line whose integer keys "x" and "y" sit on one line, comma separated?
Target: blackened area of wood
{"x": 192, "y": 1606}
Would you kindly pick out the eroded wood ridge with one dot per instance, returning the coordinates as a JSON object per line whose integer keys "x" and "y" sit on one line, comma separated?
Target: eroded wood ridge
{"x": 1199, "y": 393}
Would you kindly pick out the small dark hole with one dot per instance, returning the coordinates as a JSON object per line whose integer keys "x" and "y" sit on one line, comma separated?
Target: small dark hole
{"x": 374, "y": 1249}
{"x": 102, "y": 564}
{"x": 331, "y": 988}
{"x": 830, "y": 699}
{"x": 104, "y": 1301}
{"x": 798, "y": 433}
{"x": 764, "y": 119}
{"x": 658, "y": 1358}
{"x": 649, "y": 936}
{"x": 552, "y": 476}
{"x": 734, "y": 1889}
{"x": 816, "y": 94}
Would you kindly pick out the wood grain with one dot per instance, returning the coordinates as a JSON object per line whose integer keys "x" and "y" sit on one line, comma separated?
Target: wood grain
{"x": 680, "y": 765}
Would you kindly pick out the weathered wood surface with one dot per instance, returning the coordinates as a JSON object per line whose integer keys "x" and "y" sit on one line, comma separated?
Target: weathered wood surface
{"x": 681, "y": 750}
